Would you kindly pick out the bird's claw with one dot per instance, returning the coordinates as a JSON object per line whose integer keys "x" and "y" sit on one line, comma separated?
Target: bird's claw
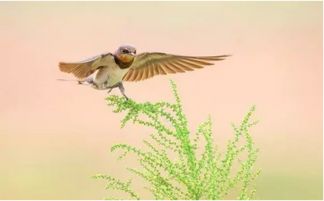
{"x": 126, "y": 97}
{"x": 109, "y": 90}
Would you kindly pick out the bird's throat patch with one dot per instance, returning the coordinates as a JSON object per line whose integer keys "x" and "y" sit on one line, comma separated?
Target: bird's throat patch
{"x": 124, "y": 61}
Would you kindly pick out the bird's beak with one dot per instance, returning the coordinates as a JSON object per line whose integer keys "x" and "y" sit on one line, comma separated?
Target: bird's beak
{"x": 133, "y": 53}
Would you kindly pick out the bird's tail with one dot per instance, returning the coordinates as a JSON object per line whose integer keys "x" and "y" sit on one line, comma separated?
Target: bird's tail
{"x": 83, "y": 82}
{"x": 67, "y": 80}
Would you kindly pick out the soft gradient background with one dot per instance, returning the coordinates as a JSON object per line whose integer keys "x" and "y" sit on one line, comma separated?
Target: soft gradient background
{"x": 55, "y": 135}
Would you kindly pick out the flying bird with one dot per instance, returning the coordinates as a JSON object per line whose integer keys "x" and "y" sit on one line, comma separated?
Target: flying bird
{"x": 109, "y": 70}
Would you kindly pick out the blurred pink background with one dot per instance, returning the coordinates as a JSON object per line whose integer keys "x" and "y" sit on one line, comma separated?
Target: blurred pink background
{"x": 55, "y": 135}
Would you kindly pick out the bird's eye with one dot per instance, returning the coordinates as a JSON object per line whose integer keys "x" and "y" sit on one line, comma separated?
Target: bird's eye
{"x": 135, "y": 52}
{"x": 125, "y": 51}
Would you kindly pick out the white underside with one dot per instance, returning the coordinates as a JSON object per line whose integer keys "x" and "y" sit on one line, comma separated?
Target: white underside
{"x": 108, "y": 76}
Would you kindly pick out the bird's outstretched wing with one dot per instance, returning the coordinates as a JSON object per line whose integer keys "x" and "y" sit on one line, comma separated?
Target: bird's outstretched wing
{"x": 85, "y": 68}
{"x": 147, "y": 65}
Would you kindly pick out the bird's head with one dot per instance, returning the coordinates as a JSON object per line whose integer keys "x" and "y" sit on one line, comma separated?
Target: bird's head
{"x": 126, "y": 53}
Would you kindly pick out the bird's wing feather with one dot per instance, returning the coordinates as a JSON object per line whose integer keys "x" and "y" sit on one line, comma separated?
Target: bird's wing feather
{"x": 149, "y": 64}
{"x": 85, "y": 68}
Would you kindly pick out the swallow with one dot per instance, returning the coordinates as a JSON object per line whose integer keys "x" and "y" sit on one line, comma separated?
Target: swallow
{"x": 108, "y": 71}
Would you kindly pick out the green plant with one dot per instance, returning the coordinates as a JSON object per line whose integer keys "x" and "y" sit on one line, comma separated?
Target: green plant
{"x": 177, "y": 165}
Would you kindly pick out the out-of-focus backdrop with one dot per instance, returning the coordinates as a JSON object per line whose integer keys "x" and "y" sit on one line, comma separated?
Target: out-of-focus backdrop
{"x": 55, "y": 135}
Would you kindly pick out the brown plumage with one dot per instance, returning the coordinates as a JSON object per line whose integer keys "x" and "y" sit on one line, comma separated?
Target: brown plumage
{"x": 107, "y": 71}
{"x": 147, "y": 65}
{"x": 84, "y": 68}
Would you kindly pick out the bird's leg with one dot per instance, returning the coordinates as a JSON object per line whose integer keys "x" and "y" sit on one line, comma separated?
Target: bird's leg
{"x": 110, "y": 89}
{"x": 88, "y": 81}
{"x": 122, "y": 89}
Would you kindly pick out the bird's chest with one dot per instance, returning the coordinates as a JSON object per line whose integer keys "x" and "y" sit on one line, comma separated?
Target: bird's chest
{"x": 109, "y": 76}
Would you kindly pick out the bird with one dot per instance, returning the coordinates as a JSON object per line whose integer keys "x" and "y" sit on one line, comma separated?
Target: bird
{"x": 108, "y": 70}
